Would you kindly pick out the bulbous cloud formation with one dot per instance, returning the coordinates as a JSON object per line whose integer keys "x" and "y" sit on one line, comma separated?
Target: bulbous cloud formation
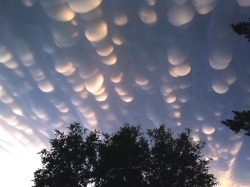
{"x": 103, "y": 63}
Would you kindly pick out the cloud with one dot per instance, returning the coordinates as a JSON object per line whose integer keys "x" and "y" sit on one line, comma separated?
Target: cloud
{"x": 103, "y": 63}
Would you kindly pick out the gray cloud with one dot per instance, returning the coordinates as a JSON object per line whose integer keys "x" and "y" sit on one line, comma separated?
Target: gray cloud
{"x": 103, "y": 63}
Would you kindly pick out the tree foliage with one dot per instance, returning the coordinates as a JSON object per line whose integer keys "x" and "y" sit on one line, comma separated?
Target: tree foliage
{"x": 179, "y": 159}
{"x": 240, "y": 121}
{"x": 123, "y": 158}
{"x": 70, "y": 160}
{"x": 126, "y": 158}
{"x": 242, "y": 28}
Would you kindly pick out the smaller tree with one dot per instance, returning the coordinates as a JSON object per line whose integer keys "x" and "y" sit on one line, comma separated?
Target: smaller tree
{"x": 123, "y": 159}
{"x": 178, "y": 161}
{"x": 70, "y": 160}
{"x": 240, "y": 121}
{"x": 242, "y": 28}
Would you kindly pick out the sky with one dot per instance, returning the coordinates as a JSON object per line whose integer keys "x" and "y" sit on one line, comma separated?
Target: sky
{"x": 106, "y": 62}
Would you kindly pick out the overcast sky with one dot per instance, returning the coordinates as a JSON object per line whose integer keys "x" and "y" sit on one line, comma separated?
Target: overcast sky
{"x": 104, "y": 63}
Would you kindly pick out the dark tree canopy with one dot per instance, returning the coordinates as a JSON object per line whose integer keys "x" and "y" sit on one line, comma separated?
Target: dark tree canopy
{"x": 126, "y": 158}
{"x": 177, "y": 161}
{"x": 70, "y": 160}
{"x": 240, "y": 121}
{"x": 242, "y": 28}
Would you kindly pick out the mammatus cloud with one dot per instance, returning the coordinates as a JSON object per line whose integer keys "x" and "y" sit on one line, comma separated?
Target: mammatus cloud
{"x": 103, "y": 63}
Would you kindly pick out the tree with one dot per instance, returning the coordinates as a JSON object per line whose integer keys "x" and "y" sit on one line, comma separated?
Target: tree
{"x": 179, "y": 159}
{"x": 70, "y": 160}
{"x": 242, "y": 28}
{"x": 126, "y": 158}
{"x": 240, "y": 121}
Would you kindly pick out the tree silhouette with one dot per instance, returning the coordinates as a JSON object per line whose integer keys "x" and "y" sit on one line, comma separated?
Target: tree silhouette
{"x": 240, "y": 121}
{"x": 242, "y": 28}
{"x": 70, "y": 160}
{"x": 126, "y": 158}
{"x": 179, "y": 159}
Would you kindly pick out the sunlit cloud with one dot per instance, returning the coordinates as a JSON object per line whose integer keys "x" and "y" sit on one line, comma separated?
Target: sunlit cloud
{"x": 151, "y": 2}
{"x": 96, "y": 31}
{"x": 170, "y": 98}
{"x": 4, "y": 55}
{"x": 121, "y": 91}
{"x": 236, "y": 148}
{"x": 220, "y": 87}
{"x": 141, "y": 80}
{"x": 229, "y": 77}
{"x": 37, "y": 74}
{"x": 110, "y": 60}
{"x": 165, "y": 90}
{"x": 100, "y": 91}
{"x": 184, "y": 99}
{"x": 180, "y": 70}
{"x": 61, "y": 107}
{"x": 94, "y": 83}
{"x": 58, "y": 11}
{"x": 176, "y": 54}
{"x": 64, "y": 34}
{"x": 25, "y": 54}
{"x": 226, "y": 173}
{"x": 117, "y": 40}
{"x": 196, "y": 137}
{"x": 120, "y": 19}
{"x": 92, "y": 15}
{"x": 204, "y": 6}
{"x": 105, "y": 51}
{"x": 78, "y": 87}
{"x": 104, "y": 106}
{"x": 243, "y": 3}
{"x": 63, "y": 66}
{"x": 148, "y": 15}
{"x": 45, "y": 86}
{"x": 84, "y": 6}
{"x": 116, "y": 77}
{"x": 177, "y": 114}
{"x": 208, "y": 129}
{"x": 11, "y": 64}
{"x": 6, "y": 99}
{"x": 17, "y": 110}
{"x": 39, "y": 112}
{"x": 179, "y": 15}
{"x": 199, "y": 115}
{"x": 102, "y": 97}
{"x": 29, "y": 3}
{"x": 220, "y": 59}
{"x": 90, "y": 116}
{"x": 127, "y": 98}
{"x": 76, "y": 100}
